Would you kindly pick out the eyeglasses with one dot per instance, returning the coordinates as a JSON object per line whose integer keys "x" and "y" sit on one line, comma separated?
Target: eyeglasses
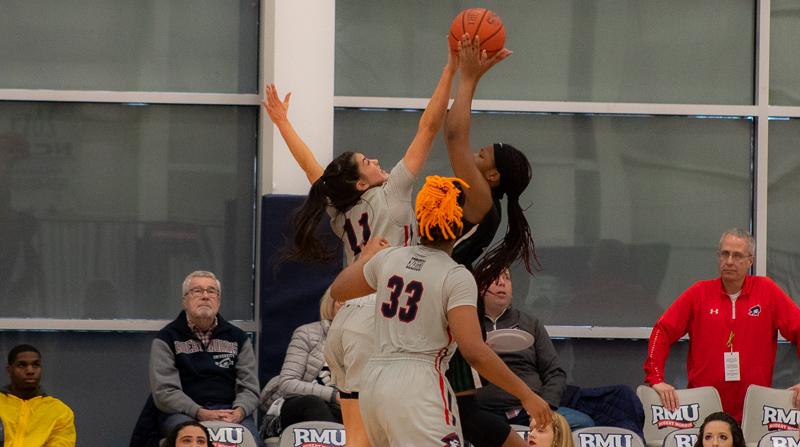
{"x": 195, "y": 292}
{"x": 724, "y": 255}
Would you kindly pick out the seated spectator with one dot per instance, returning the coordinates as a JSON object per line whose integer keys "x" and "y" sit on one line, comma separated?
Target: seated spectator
{"x": 304, "y": 384}
{"x": 720, "y": 430}
{"x": 556, "y": 434}
{"x": 201, "y": 366}
{"x": 188, "y": 434}
{"x": 30, "y": 417}
{"x": 538, "y": 365}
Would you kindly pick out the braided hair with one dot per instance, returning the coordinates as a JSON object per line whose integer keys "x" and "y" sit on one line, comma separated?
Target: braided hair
{"x": 337, "y": 188}
{"x": 439, "y": 208}
{"x": 515, "y": 175}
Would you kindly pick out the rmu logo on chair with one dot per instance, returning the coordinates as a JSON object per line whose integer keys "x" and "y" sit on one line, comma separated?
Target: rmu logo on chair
{"x": 687, "y": 440}
{"x": 784, "y": 441}
{"x": 600, "y": 440}
{"x": 226, "y": 436}
{"x": 684, "y": 417}
{"x": 311, "y": 437}
{"x": 780, "y": 418}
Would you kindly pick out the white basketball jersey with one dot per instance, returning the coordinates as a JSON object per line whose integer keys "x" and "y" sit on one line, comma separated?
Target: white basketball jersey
{"x": 384, "y": 210}
{"x": 416, "y": 286}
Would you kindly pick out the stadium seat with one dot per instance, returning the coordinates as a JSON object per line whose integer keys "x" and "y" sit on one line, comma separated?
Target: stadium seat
{"x": 317, "y": 433}
{"x": 229, "y": 434}
{"x": 695, "y": 405}
{"x": 780, "y": 438}
{"x": 522, "y": 430}
{"x": 685, "y": 437}
{"x": 606, "y": 437}
{"x": 766, "y": 410}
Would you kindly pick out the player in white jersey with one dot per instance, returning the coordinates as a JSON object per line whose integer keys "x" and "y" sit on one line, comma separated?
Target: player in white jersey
{"x": 361, "y": 199}
{"x": 425, "y": 304}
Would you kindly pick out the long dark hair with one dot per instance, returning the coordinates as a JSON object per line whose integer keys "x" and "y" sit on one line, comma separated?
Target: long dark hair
{"x": 515, "y": 175}
{"x": 337, "y": 188}
{"x": 736, "y": 431}
{"x": 172, "y": 437}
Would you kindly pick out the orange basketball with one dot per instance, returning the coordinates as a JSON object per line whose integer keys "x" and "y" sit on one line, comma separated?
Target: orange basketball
{"x": 479, "y": 22}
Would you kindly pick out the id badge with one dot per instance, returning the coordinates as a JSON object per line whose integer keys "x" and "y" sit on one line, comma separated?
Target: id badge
{"x": 732, "y": 367}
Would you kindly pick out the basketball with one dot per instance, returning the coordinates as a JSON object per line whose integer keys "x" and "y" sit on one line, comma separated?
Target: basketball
{"x": 482, "y": 23}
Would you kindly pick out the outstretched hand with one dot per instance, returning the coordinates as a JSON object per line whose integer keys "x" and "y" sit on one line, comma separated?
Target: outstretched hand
{"x": 473, "y": 61}
{"x": 276, "y": 109}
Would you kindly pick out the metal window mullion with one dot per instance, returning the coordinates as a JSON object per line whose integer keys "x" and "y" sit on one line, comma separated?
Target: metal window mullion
{"x": 761, "y": 162}
{"x": 99, "y": 96}
{"x": 611, "y": 108}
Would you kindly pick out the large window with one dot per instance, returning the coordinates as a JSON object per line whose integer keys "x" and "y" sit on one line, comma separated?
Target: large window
{"x": 128, "y": 158}
{"x": 107, "y": 207}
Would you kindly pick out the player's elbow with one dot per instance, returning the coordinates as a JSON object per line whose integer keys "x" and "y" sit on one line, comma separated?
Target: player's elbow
{"x": 476, "y": 354}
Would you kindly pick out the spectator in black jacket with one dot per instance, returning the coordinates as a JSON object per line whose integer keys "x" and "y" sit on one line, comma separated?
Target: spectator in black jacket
{"x": 201, "y": 366}
{"x": 538, "y": 365}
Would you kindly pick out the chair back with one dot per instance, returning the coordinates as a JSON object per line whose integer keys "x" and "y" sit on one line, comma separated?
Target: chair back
{"x": 521, "y": 430}
{"x": 695, "y": 405}
{"x": 229, "y": 434}
{"x": 766, "y": 410}
{"x": 316, "y": 433}
{"x": 684, "y": 437}
{"x": 780, "y": 438}
{"x": 606, "y": 437}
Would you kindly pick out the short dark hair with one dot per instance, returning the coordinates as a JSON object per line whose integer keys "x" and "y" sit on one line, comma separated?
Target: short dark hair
{"x": 736, "y": 431}
{"x": 16, "y": 350}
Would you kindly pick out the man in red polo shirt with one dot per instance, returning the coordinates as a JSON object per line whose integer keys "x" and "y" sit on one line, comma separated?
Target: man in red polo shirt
{"x": 732, "y": 322}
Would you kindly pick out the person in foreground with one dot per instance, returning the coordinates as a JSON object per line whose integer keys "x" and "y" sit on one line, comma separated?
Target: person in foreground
{"x": 425, "y": 303}
{"x": 720, "y": 430}
{"x": 732, "y": 322}
{"x": 361, "y": 199}
{"x": 493, "y": 172}
{"x": 188, "y": 434}
{"x": 201, "y": 366}
{"x": 556, "y": 434}
{"x": 30, "y": 417}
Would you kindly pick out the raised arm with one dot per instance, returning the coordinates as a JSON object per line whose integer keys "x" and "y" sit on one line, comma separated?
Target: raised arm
{"x": 278, "y": 114}
{"x": 466, "y": 330}
{"x": 473, "y": 63}
{"x": 352, "y": 281}
{"x": 432, "y": 118}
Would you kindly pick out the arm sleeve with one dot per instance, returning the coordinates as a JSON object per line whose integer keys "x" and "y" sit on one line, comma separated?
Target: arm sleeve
{"x": 246, "y": 379}
{"x": 294, "y": 368}
{"x": 672, "y": 325}
{"x": 787, "y": 316}
{"x": 460, "y": 289}
{"x": 553, "y": 377}
{"x": 63, "y": 434}
{"x": 165, "y": 382}
{"x": 398, "y": 191}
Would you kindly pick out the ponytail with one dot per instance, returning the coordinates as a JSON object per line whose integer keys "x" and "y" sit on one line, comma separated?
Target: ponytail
{"x": 517, "y": 244}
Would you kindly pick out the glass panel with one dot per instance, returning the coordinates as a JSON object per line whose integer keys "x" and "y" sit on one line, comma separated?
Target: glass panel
{"x": 105, "y": 208}
{"x": 150, "y": 45}
{"x": 586, "y": 363}
{"x": 784, "y": 86}
{"x": 626, "y": 211}
{"x": 681, "y": 51}
{"x": 783, "y": 209}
